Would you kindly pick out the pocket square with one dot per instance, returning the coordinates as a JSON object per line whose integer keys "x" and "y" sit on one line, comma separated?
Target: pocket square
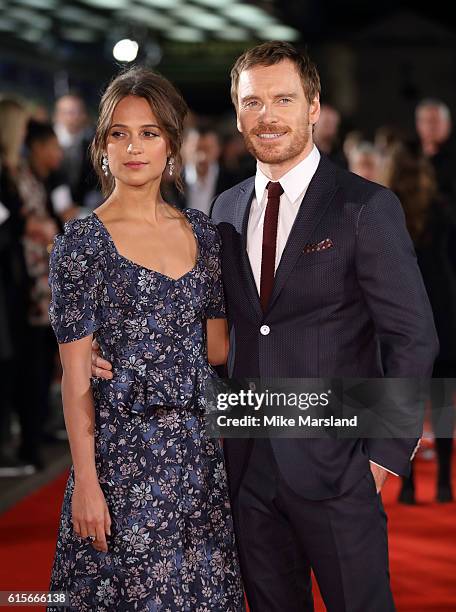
{"x": 323, "y": 245}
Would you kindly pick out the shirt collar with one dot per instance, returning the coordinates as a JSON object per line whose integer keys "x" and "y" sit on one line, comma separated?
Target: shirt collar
{"x": 294, "y": 182}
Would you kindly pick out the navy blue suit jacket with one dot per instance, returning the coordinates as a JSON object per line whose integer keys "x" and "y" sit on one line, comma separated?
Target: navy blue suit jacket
{"x": 358, "y": 309}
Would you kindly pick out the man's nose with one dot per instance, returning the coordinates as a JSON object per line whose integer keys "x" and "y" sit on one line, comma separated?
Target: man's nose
{"x": 269, "y": 113}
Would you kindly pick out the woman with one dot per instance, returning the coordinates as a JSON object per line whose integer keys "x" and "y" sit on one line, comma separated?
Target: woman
{"x": 431, "y": 225}
{"x": 146, "y": 522}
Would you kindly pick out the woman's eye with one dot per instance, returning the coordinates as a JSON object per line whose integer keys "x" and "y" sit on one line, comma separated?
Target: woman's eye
{"x": 150, "y": 134}
{"x": 117, "y": 134}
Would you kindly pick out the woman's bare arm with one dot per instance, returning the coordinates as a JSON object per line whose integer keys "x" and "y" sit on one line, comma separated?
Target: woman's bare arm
{"x": 217, "y": 349}
{"x": 90, "y": 512}
{"x": 217, "y": 341}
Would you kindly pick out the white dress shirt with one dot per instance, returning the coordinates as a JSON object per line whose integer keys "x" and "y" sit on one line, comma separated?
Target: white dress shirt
{"x": 294, "y": 184}
{"x": 200, "y": 193}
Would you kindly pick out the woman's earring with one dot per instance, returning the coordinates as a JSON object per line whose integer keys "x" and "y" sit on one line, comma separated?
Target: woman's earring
{"x": 105, "y": 165}
{"x": 171, "y": 166}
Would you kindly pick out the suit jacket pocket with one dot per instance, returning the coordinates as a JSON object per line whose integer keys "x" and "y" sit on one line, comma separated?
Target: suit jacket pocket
{"x": 317, "y": 257}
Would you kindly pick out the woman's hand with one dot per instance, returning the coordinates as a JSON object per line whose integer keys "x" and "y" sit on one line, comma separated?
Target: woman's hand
{"x": 90, "y": 514}
{"x": 100, "y": 367}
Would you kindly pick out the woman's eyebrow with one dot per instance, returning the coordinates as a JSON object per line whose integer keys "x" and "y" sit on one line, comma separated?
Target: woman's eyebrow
{"x": 152, "y": 125}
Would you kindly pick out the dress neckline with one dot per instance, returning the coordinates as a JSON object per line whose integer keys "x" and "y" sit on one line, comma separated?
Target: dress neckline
{"x": 150, "y": 270}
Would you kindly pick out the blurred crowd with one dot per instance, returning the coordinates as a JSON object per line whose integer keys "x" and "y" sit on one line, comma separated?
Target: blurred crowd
{"x": 46, "y": 178}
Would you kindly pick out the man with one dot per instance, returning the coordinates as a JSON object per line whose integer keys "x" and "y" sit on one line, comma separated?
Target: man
{"x": 433, "y": 126}
{"x": 364, "y": 161}
{"x": 74, "y": 135}
{"x": 326, "y": 134}
{"x": 299, "y": 311}
{"x": 204, "y": 174}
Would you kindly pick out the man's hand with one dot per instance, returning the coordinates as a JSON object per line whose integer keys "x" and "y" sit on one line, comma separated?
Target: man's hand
{"x": 100, "y": 367}
{"x": 380, "y": 475}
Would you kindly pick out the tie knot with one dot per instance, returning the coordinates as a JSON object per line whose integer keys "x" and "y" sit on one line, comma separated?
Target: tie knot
{"x": 275, "y": 190}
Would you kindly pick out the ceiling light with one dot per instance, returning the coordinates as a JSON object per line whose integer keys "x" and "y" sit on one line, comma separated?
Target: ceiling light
{"x": 161, "y": 4}
{"x": 247, "y": 14}
{"x": 145, "y": 16}
{"x": 82, "y": 16}
{"x": 79, "y": 35}
{"x": 7, "y": 25}
{"x": 30, "y": 17}
{"x": 107, "y": 4}
{"x": 125, "y": 50}
{"x": 212, "y": 3}
{"x": 184, "y": 34}
{"x": 201, "y": 18}
{"x": 278, "y": 32}
{"x": 40, "y": 4}
{"x": 233, "y": 33}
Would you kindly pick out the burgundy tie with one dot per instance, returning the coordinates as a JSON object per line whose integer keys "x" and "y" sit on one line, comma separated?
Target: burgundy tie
{"x": 268, "y": 253}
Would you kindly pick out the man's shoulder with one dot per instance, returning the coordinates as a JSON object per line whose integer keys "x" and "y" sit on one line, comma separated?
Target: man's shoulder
{"x": 225, "y": 202}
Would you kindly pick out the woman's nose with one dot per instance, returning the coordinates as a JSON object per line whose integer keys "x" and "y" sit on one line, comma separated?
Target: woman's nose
{"x": 134, "y": 148}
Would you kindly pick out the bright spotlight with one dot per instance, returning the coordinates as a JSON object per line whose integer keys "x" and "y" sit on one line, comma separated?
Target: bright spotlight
{"x": 125, "y": 50}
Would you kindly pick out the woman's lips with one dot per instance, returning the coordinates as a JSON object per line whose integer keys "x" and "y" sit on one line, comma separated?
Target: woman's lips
{"x": 135, "y": 164}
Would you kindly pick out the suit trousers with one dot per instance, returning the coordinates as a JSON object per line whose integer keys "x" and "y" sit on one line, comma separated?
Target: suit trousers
{"x": 282, "y": 537}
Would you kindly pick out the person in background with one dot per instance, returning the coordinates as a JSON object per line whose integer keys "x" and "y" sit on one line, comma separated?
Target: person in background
{"x": 44, "y": 162}
{"x": 15, "y": 295}
{"x": 204, "y": 176}
{"x": 352, "y": 139}
{"x": 326, "y": 134}
{"x": 235, "y": 157}
{"x": 71, "y": 125}
{"x": 364, "y": 161}
{"x": 433, "y": 126}
{"x": 431, "y": 224}
{"x": 46, "y": 202}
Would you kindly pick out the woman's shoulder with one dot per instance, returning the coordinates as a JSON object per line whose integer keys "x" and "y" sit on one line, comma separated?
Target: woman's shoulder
{"x": 80, "y": 236}
{"x": 204, "y": 224}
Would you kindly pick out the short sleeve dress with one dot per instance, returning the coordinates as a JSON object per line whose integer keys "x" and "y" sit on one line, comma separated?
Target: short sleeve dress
{"x": 172, "y": 546}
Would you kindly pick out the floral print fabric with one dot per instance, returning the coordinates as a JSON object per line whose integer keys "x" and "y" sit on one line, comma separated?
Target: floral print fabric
{"x": 172, "y": 546}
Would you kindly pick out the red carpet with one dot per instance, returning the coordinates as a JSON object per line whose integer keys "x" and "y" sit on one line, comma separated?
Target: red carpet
{"x": 422, "y": 544}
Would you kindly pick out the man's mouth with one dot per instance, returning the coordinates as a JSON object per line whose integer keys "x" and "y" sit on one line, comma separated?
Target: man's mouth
{"x": 270, "y": 135}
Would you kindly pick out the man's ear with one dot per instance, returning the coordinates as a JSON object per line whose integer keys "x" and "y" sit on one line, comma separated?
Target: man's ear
{"x": 314, "y": 111}
{"x": 238, "y": 122}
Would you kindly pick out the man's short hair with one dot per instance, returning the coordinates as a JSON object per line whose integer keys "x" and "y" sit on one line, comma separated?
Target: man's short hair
{"x": 274, "y": 52}
{"x": 435, "y": 103}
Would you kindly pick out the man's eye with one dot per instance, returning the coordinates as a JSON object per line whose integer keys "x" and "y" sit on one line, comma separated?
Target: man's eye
{"x": 250, "y": 104}
{"x": 285, "y": 100}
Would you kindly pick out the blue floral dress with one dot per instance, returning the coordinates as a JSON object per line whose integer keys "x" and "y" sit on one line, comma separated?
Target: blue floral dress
{"x": 172, "y": 546}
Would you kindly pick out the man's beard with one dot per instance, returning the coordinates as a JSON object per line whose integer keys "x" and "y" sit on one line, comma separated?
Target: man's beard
{"x": 271, "y": 153}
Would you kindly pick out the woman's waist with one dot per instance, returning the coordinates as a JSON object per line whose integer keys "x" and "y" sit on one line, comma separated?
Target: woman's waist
{"x": 175, "y": 386}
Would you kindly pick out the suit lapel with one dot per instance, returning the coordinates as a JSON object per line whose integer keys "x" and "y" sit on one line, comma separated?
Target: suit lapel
{"x": 244, "y": 200}
{"x": 319, "y": 194}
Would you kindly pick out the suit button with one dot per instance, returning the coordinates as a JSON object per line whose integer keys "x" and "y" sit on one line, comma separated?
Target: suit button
{"x": 264, "y": 330}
